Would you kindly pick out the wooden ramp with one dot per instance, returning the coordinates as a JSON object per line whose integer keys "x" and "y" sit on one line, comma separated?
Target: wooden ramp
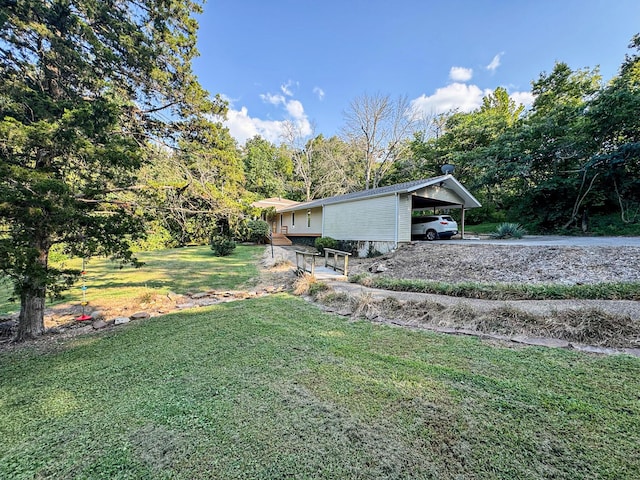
{"x": 306, "y": 263}
{"x": 324, "y": 273}
{"x": 280, "y": 240}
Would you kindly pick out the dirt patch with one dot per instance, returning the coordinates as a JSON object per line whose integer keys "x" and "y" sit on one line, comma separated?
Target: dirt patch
{"x": 506, "y": 263}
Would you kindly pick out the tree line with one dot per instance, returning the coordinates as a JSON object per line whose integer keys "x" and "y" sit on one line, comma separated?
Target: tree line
{"x": 574, "y": 155}
{"x": 107, "y": 137}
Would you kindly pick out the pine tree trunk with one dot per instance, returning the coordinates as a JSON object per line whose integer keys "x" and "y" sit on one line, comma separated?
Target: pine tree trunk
{"x": 31, "y": 320}
{"x": 32, "y": 298}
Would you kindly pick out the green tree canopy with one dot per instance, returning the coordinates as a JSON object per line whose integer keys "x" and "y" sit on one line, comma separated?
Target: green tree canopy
{"x": 84, "y": 86}
{"x": 188, "y": 190}
{"x": 268, "y": 168}
{"x": 614, "y": 124}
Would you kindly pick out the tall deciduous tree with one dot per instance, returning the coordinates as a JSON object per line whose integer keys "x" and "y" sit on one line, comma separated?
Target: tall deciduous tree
{"x": 268, "y": 168}
{"x": 614, "y": 123}
{"x": 190, "y": 189}
{"x": 553, "y": 145}
{"x": 335, "y": 167}
{"x": 84, "y": 84}
{"x": 378, "y": 126}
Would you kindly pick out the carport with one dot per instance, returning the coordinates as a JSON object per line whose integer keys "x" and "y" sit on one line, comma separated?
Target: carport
{"x": 449, "y": 194}
{"x": 378, "y": 218}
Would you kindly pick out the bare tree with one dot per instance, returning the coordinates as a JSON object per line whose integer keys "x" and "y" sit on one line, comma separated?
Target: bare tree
{"x": 301, "y": 153}
{"x": 378, "y": 126}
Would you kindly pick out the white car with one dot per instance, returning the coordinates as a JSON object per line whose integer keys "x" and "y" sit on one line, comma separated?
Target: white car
{"x": 433, "y": 227}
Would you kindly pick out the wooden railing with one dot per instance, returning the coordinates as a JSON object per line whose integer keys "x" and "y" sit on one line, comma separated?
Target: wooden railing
{"x": 337, "y": 254}
{"x": 305, "y": 262}
{"x": 284, "y": 229}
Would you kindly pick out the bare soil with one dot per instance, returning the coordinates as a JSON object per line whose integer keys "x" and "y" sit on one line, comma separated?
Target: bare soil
{"x": 505, "y": 263}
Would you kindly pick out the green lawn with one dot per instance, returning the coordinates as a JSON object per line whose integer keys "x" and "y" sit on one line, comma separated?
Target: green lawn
{"x": 273, "y": 388}
{"x": 483, "y": 228}
{"x": 179, "y": 270}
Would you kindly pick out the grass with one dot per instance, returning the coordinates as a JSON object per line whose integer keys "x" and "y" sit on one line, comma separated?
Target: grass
{"x": 484, "y": 228}
{"x": 179, "y": 270}
{"x": 506, "y": 291}
{"x": 273, "y": 388}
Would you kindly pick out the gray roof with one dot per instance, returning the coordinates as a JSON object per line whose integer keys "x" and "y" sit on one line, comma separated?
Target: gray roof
{"x": 406, "y": 187}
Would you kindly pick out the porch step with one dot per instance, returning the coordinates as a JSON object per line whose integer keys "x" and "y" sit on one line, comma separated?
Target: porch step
{"x": 280, "y": 240}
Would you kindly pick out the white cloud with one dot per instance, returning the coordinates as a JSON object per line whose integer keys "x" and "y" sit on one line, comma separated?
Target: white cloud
{"x": 460, "y": 74}
{"x": 456, "y": 96}
{"x": 319, "y": 92}
{"x": 286, "y": 88}
{"x": 295, "y": 109}
{"x": 273, "y": 99}
{"x": 524, "y": 98}
{"x": 242, "y": 126}
{"x": 495, "y": 63}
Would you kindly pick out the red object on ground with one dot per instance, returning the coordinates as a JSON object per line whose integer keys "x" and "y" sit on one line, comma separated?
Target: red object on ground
{"x": 83, "y": 318}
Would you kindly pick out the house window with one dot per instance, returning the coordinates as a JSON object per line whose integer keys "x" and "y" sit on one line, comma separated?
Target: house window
{"x": 293, "y": 219}
{"x": 308, "y": 218}
{"x": 281, "y": 219}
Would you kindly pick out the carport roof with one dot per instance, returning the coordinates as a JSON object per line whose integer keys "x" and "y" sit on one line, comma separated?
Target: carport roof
{"x": 447, "y": 181}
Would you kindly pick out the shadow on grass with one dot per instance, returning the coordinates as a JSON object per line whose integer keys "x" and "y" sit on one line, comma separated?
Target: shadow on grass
{"x": 179, "y": 270}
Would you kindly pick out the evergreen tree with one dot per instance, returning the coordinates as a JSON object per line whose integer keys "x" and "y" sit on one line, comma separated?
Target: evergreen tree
{"x": 84, "y": 86}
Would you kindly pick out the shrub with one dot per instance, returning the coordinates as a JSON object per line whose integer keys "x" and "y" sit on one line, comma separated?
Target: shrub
{"x": 325, "y": 242}
{"x": 317, "y": 288}
{"x": 508, "y": 230}
{"x": 349, "y": 246}
{"x": 222, "y": 246}
{"x": 258, "y": 230}
{"x": 251, "y": 231}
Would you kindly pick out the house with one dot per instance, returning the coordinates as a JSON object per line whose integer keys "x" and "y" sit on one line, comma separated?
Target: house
{"x": 379, "y": 218}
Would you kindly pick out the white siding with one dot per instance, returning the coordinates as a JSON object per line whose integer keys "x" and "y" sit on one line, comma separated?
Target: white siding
{"x": 301, "y": 226}
{"x": 285, "y": 221}
{"x": 367, "y": 219}
{"x": 404, "y": 219}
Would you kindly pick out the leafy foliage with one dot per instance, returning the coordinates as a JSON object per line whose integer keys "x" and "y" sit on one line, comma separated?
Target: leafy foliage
{"x": 325, "y": 242}
{"x": 191, "y": 189}
{"x": 508, "y": 230}
{"x": 84, "y": 86}
{"x": 268, "y": 169}
{"x": 253, "y": 231}
{"x": 574, "y": 153}
{"x": 222, "y": 245}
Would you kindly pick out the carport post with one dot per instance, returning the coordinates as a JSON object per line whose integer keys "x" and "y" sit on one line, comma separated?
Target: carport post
{"x": 462, "y": 222}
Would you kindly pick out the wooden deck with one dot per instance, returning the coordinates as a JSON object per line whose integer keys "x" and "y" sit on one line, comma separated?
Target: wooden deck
{"x": 280, "y": 240}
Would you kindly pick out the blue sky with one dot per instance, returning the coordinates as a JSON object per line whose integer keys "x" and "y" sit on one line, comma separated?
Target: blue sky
{"x": 306, "y": 60}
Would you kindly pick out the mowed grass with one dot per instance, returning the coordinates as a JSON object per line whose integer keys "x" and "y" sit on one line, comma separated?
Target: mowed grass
{"x": 180, "y": 270}
{"x": 273, "y": 388}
